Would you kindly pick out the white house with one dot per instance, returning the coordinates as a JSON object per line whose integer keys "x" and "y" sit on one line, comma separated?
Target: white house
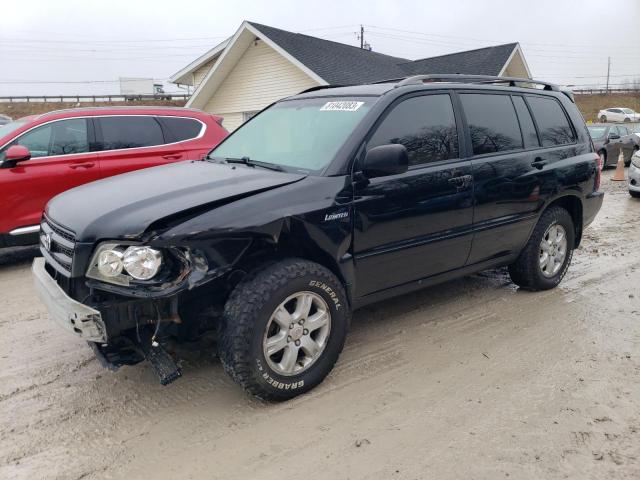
{"x": 260, "y": 64}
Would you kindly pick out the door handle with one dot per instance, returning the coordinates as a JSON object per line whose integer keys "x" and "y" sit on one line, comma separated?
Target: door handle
{"x": 172, "y": 156}
{"x": 538, "y": 163}
{"x": 82, "y": 165}
{"x": 461, "y": 182}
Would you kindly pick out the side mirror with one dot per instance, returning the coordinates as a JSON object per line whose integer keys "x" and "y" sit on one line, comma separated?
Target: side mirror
{"x": 386, "y": 160}
{"x": 15, "y": 154}
{"x": 614, "y": 136}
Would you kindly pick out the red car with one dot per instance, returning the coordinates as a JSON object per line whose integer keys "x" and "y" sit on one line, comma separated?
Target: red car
{"x": 43, "y": 155}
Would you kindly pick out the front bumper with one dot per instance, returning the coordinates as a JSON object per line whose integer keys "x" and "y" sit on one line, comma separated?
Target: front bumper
{"x": 634, "y": 178}
{"x": 79, "y": 319}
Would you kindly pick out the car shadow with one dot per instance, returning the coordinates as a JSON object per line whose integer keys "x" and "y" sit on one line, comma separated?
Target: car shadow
{"x": 18, "y": 255}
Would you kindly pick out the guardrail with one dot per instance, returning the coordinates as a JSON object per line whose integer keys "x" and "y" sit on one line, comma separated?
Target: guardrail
{"x": 592, "y": 91}
{"x": 93, "y": 98}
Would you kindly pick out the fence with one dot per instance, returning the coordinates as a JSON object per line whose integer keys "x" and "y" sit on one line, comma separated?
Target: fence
{"x": 600, "y": 91}
{"x": 94, "y": 98}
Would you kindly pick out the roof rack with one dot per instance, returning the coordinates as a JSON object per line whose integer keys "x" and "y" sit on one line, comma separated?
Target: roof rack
{"x": 320, "y": 87}
{"x": 461, "y": 78}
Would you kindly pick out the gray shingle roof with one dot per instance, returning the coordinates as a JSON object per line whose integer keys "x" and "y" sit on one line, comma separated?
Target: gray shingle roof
{"x": 341, "y": 64}
{"x": 482, "y": 61}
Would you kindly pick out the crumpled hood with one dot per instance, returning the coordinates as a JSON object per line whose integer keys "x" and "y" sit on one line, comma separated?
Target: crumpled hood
{"x": 125, "y": 205}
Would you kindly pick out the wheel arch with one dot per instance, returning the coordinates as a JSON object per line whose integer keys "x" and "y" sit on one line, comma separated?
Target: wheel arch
{"x": 572, "y": 204}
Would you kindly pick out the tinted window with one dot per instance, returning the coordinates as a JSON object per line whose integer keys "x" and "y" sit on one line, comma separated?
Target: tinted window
{"x": 180, "y": 129}
{"x": 529, "y": 134}
{"x": 623, "y": 130}
{"x": 425, "y": 125}
{"x": 492, "y": 121}
{"x": 129, "y": 132}
{"x": 552, "y": 122}
{"x": 57, "y": 138}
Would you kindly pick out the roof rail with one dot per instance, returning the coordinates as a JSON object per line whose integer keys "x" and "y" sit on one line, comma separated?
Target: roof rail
{"x": 461, "y": 78}
{"x": 319, "y": 87}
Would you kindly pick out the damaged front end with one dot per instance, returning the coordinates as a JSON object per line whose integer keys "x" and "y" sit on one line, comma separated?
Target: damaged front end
{"x": 138, "y": 300}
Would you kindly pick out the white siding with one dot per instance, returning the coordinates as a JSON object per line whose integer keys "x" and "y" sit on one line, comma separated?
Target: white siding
{"x": 200, "y": 73}
{"x": 260, "y": 77}
{"x": 516, "y": 67}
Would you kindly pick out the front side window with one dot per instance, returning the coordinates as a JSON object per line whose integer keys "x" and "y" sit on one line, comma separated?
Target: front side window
{"x": 425, "y": 125}
{"x": 552, "y": 122}
{"x": 120, "y": 132}
{"x": 492, "y": 122}
{"x": 302, "y": 134}
{"x": 57, "y": 138}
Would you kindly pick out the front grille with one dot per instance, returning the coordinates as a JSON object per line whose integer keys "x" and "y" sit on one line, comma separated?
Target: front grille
{"x": 57, "y": 245}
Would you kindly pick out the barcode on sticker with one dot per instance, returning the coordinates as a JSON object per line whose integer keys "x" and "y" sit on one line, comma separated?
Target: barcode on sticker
{"x": 344, "y": 106}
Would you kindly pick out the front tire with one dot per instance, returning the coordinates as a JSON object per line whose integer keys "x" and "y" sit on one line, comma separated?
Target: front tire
{"x": 634, "y": 194}
{"x": 603, "y": 119}
{"x": 546, "y": 257}
{"x": 283, "y": 329}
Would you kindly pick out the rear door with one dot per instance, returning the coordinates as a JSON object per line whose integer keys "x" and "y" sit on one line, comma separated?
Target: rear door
{"x": 416, "y": 224}
{"x": 132, "y": 142}
{"x": 508, "y": 183}
{"x": 60, "y": 159}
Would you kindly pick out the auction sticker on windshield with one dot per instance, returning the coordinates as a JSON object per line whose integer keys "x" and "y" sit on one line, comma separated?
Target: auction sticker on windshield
{"x": 343, "y": 106}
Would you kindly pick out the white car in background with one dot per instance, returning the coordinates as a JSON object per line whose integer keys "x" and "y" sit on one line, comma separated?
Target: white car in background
{"x": 634, "y": 175}
{"x": 618, "y": 114}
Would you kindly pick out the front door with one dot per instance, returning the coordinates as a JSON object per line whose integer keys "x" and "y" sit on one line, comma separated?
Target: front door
{"x": 416, "y": 224}
{"x": 60, "y": 160}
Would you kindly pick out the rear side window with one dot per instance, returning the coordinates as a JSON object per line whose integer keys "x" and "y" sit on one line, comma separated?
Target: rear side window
{"x": 552, "y": 122}
{"x": 492, "y": 121}
{"x": 129, "y": 132}
{"x": 180, "y": 129}
{"x": 529, "y": 134}
{"x": 425, "y": 125}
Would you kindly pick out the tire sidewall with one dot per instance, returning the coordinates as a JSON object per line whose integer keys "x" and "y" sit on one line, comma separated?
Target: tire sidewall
{"x": 287, "y": 386}
{"x": 557, "y": 217}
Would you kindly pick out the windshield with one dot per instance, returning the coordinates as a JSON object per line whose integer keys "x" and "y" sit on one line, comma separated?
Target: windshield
{"x": 597, "y": 133}
{"x": 628, "y": 110}
{"x": 299, "y": 135}
{"x": 10, "y": 127}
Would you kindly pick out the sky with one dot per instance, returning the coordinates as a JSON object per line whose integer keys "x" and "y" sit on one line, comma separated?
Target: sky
{"x": 72, "y": 47}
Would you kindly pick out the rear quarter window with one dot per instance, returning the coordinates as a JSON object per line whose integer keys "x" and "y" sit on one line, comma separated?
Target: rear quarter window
{"x": 552, "y": 122}
{"x": 179, "y": 129}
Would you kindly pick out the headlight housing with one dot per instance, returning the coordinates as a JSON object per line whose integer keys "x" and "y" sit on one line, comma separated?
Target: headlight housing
{"x": 120, "y": 264}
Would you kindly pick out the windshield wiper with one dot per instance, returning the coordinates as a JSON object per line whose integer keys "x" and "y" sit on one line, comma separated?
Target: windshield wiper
{"x": 254, "y": 163}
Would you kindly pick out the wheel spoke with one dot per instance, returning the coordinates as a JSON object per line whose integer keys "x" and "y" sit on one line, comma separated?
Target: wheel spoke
{"x": 309, "y": 346}
{"x": 317, "y": 320}
{"x": 289, "y": 358}
{"x": 282, "y": 317}
{"x": 276, "y": 343}
{"x": 543, "y": 260}
{"x": 303, "y": 306}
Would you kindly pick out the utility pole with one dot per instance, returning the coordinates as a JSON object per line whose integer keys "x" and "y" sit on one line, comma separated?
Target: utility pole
{"x": 608, "y": 70}
{"x": 361, "y": 36}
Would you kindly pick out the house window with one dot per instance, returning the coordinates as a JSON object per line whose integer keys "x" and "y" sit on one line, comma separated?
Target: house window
{"x": 246, "y": 116}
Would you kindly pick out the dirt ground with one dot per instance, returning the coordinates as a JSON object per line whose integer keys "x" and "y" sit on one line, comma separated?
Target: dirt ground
{"x": 471, "y": 379}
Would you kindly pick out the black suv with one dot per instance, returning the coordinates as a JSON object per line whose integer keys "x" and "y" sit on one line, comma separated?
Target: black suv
{"x": 320, "y": 204}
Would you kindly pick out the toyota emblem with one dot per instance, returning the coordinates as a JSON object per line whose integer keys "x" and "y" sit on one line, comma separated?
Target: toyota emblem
{"x": 46, "y": 241}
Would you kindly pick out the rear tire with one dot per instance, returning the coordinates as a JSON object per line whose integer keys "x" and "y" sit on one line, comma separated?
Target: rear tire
{"x": 283, "y": 329}
{"x": 533, "y": 270}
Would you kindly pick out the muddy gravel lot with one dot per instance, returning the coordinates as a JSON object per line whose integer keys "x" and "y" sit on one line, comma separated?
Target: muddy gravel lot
{"x": 471, "y": 379}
